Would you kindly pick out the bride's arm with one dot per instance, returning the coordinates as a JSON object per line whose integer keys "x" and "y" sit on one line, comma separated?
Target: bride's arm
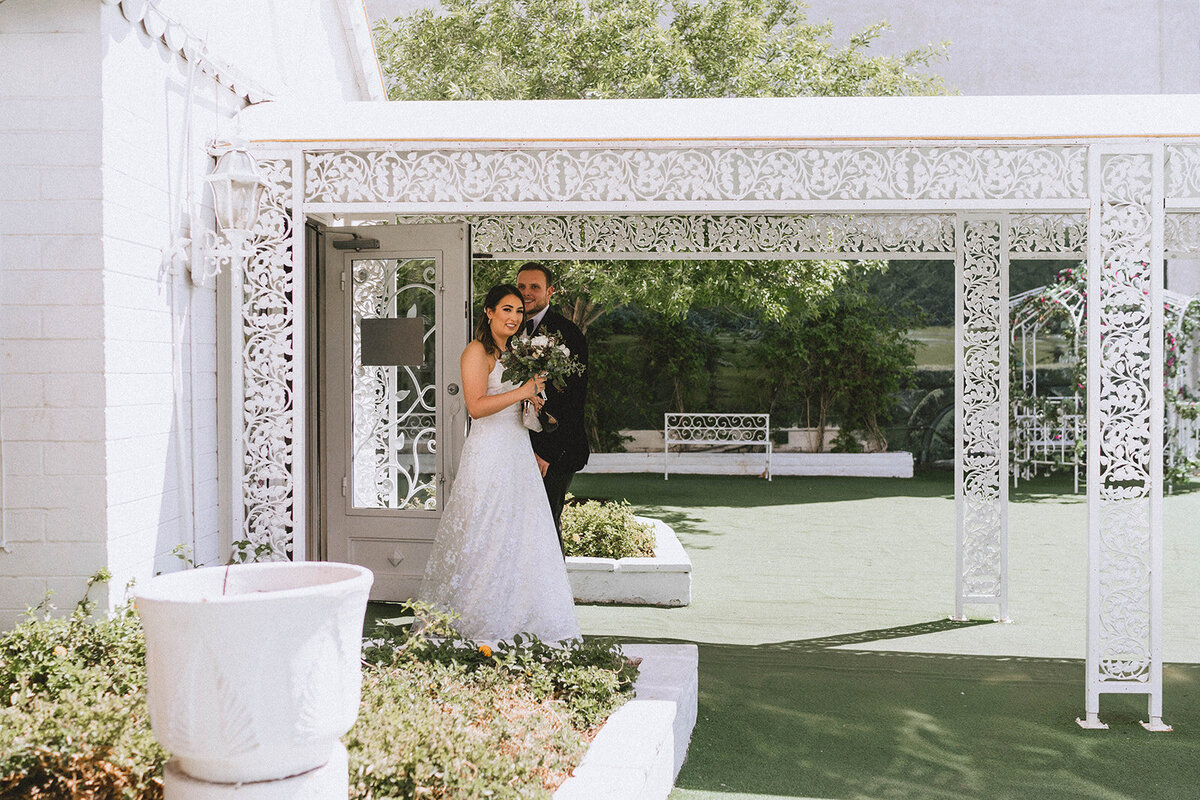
{"x": 475, "y": 368}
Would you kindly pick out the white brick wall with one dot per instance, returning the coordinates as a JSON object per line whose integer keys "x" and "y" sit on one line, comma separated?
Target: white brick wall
{"x": 93, "y": 135}
{"x": 158, "y": 456}
{"x": 98, "y": 457}
{"x": 51, "y": 355}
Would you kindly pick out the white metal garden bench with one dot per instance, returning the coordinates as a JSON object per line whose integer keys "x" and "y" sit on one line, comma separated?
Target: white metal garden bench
{"x": 752, "y": 430}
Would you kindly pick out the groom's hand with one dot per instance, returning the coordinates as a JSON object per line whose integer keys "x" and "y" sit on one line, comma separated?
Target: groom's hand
{"x": 543, "y": 464}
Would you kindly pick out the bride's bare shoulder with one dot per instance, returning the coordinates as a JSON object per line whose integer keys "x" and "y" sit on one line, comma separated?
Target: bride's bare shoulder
{"x": 476, "y": 358}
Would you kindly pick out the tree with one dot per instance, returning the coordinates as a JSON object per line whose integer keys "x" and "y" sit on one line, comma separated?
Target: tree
{"x": 846, "y": 361}
{"x": 568, "y": 49}
{"x": 572, "y": 49}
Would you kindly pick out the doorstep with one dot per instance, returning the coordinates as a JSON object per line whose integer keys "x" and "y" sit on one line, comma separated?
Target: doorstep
{"x": 639, "y": 750}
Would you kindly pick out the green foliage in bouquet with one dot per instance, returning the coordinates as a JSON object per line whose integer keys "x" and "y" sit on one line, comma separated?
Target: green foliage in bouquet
{"x": 543, "y": 354}
{"x": 605, "y": 530}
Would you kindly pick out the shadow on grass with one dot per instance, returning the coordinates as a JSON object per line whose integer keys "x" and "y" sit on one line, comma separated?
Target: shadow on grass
{"x": 649, "y": 492}
{"x": 801, "y": 719}
{"x": 797, "y": 722}
{"x": 702, "y": 491}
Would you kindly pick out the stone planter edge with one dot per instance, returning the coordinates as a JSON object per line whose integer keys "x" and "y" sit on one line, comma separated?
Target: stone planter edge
{"x": 664, "y": 580}
{"x": 640, "y": 749}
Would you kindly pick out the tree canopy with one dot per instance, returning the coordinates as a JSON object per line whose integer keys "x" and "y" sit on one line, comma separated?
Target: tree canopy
{"x": 573, "y": 49}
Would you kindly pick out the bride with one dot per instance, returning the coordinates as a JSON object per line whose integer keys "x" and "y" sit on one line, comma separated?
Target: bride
{"x": 496, "y": 561}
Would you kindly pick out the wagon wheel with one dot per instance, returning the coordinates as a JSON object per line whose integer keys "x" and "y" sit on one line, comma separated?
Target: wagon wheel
{"x": 938, "y": 444}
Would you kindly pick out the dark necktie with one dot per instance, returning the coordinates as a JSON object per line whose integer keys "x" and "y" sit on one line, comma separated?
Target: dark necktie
{"x": 530, "y": 327}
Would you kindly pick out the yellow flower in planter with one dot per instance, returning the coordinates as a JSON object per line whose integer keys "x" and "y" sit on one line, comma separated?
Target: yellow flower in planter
{"x": 485, "y": 650}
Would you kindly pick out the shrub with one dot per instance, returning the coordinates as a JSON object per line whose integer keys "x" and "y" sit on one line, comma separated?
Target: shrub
{"x": 438, "y": 719}
{"x": 73, "y": 715}
{"x": 442, "y": 718}
{"x": 605, "y": 530}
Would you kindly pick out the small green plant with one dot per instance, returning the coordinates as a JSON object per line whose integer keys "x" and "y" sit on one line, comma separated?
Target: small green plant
{"x": 248, "y": 552}
{"x": 605, "y": 530}
{"x": 442, "y": 717}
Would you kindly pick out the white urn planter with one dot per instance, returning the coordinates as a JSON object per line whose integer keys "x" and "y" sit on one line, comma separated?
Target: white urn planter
{"x": 253, "y": 670}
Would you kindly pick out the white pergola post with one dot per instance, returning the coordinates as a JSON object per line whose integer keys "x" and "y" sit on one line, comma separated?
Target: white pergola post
{"x": 981, "y": 418}
{"x": 1125, "y": 426}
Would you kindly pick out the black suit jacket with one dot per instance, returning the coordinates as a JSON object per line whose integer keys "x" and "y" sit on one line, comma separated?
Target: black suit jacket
{"x": 565, "y": 447}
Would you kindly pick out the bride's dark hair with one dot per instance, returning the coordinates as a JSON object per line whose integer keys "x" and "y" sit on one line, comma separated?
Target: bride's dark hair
{"x": 483, "y": 328}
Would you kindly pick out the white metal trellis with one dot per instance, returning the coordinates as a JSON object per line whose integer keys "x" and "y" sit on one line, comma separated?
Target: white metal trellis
{"x": 770, "y": 169}
{"x": 1049, "y": 430}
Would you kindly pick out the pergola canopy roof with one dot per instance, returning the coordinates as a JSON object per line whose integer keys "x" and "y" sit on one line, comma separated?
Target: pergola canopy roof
{"x": 864, "y": 119}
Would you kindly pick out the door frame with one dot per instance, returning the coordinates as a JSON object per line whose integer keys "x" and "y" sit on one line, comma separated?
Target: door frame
{"x": 318, "y": 261}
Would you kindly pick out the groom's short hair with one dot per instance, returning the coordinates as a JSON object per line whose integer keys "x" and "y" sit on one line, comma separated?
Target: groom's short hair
{"x": 540, "y": 267}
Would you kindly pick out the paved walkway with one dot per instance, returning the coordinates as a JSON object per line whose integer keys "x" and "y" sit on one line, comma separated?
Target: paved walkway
{"x": 828, "y": 669}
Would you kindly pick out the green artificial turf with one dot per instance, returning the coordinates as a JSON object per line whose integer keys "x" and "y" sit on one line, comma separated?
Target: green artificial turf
{"x": 828, "y": 668}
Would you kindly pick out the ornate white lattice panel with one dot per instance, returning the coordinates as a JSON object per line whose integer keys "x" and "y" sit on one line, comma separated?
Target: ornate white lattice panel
{"x": 1182, "y": 235}
{"x": 1045, "y": 234}
{"x": 664, "y": 235}
{"x": 394, "y": 408}
{"x": 1183, "y": 171}
{"x": 269, "y": 362}
{"x": 981, "y": 389}
{"x": 1125, "y": 408}
{"x": 658, "y": 175}
{"x": 1057, "y": 235}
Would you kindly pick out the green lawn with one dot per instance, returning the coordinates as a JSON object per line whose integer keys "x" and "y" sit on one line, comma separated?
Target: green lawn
{"x": 935, "y": 347}
{"x": 828, "y": 668}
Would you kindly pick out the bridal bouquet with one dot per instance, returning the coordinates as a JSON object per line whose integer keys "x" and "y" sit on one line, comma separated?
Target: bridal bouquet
{"x": 543, "y": 354}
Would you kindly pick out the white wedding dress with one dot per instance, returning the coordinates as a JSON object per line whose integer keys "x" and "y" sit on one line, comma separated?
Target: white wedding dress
{"x": 496, "y": 562}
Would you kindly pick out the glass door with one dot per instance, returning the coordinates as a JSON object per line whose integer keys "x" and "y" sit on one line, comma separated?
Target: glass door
{"x": 392, "y": 418}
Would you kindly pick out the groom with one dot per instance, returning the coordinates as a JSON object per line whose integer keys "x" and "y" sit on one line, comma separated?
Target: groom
{"x": 563, "y": 451}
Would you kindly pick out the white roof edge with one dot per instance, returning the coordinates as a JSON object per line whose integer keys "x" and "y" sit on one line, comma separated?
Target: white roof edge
{"x": 1065, "y": 117}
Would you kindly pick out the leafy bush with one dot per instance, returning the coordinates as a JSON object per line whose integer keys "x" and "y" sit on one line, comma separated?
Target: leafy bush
{"x": 438, "y": 718}
{"x": 605, "y": 530}
{"x": 73, "y": 715}
{"x": 442, "y": 718}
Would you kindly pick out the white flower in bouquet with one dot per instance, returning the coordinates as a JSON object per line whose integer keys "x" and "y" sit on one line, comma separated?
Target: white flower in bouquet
{"x": 544, "y": 354}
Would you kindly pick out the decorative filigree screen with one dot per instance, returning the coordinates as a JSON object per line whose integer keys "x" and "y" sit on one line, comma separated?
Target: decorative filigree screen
{"x": 981, "y": 403}
{"x": 393, "y": 408}
{"x": 1125, "y": 387}
{"x": 268, "y": 358}
{"x": 700, "y": 174}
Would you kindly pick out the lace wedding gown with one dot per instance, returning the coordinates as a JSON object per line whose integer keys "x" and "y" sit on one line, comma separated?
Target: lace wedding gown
{"x": 496, "y": 560}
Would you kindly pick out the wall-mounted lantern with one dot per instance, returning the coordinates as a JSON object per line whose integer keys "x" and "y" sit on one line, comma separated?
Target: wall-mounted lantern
{"x": 237, "y": 189}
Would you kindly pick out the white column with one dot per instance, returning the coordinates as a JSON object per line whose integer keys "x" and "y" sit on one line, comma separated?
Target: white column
{"x": 981, "y": 413}
{"x": 1125, "y": 427}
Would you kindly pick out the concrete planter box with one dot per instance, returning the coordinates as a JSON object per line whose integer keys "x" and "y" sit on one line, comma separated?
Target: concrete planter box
{"x": 861, "y": 465}
{"x": 664, "y": 580}
{"x": 638, "y": 752}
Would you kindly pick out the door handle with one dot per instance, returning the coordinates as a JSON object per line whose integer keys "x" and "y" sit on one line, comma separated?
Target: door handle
{"x": 452, "y": 389}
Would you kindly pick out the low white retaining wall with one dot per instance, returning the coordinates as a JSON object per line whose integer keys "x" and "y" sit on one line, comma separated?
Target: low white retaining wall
{"x": 861, "y": 465}
{"x": 664, "y": 580}
{"x": 638, "y": 752}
